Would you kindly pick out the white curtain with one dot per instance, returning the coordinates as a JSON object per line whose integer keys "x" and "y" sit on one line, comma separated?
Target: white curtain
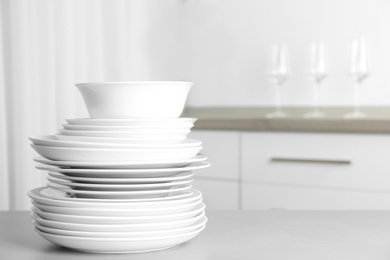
{"x": 46, "y": 47}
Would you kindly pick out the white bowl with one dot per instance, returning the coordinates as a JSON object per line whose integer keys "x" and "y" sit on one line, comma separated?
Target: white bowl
{"x": 142, "y": 99}
{"x": 119, "y": 245}
{"x": 115, "y": 155}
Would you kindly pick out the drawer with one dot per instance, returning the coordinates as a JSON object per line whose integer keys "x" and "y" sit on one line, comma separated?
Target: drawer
{"x": 222, "y": 150}
{"x": 344, "y": 161}
{"x": 218, "y": 195}
{"x": 294, "y": 197}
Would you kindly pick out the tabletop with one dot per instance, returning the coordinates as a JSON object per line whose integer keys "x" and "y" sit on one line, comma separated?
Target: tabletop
{"x": 274, "y": 234}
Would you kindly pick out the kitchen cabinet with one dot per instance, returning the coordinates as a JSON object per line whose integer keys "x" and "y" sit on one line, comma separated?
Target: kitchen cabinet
{"x": 289, "y": 197}
{"x": 294, "y": 170}
{"x": 219, "y": 183}
{"x": 315, "y": 171}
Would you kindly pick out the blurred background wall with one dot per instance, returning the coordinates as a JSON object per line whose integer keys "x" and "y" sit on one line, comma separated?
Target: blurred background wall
{"x": 222, "y": 45}
{"x": 230, "y": 41}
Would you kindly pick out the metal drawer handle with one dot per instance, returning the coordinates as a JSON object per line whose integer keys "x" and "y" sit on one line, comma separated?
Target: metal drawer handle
{"x": 309, "y": 160}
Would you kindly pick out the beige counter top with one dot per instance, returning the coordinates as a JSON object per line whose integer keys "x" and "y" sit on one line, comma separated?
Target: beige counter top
{"x": 254, "y": 119}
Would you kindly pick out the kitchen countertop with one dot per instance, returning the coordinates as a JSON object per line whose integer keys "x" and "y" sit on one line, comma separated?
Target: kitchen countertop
{"x": 267, "y": 235}
{"x": 254, "y": 119}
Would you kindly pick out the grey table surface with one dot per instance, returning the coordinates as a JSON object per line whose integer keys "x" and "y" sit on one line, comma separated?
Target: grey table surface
{"x": 235, "y": 235}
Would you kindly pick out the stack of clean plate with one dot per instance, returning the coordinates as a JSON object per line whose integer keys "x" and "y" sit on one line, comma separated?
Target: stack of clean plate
{"x": 119, "y": 185}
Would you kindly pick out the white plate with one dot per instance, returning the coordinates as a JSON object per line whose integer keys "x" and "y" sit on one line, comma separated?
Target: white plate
{"x": 54, "y": 140}
{"x": 118, "y": 212}
{"x": 132, "y": 122}
{"x": 115, "y": 155}
{"x": 62, "y": 195}
{"x": 117, "y": 187}
{"x": 123, "y": 234}
{"x": 119, "y": 245}
{"x": 123, "y": 173}
{"x": 124, "y": 141}
{"x": 52, "y": 197}
{"x": 124, "y": 164}
{"x": 118, "y": 219}
{"x": 157, "y": 135}
{"x": 178, "y": 177}
{"x": 166, "y": 225}
{"x": 162, "y": 192}
{"x": 127, "y": 128}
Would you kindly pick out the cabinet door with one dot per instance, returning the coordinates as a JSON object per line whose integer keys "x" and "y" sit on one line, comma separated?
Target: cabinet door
{"x": 219, "y": 183}
{"x": 315, "y": 171}
{"x": 279, "y": 196}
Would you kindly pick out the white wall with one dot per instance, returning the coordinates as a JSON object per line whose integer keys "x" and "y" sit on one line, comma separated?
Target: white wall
{"x": 225, "y": 46}
{"x": 221, "y": 45}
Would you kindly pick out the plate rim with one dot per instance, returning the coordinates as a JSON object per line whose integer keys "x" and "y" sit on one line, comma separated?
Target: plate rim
{"x": 127, "y": 239}
{"x": 133, "y": 180}
{"x": 121, "y": 193}
{"x": 130, "y": 185}
{"x": 197, "y": 158}
{"x": 113, "y": 202}
{"x": 184, "y": 143}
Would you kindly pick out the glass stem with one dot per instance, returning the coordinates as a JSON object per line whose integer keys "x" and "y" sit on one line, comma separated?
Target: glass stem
{"x": 357, "y": 97}
{"x": 317, "y": 96}
{"x": 278, "y": 98}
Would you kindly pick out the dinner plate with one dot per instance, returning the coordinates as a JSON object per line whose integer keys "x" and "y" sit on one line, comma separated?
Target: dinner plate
{"x": 117, "y": 187}
{"x": 179, "y": 134}
{"x": 128, "y": 128}
{"x": 120, "y": 172}
{"x": 117, "y": 140}
{"x": 122, "y": 234}
{"x": 117, "y": 212}
{"x": 115, "y": 155}
{"x": 52, "y": 197}
{"x": 166, "y": 225}
{"x": 91, "y": 179}
{"x": 124, "y": 164}
{"x": 132, "y": 122}
{"x": 139, "y": 194}
{"x": 55, "y": 141}
{"x": 118, "y": 219}
{"x": 119, "y": 245}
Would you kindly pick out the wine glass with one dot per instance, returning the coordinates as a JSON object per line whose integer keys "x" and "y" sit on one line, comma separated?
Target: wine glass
{"x": 278, "y": 74}
{"x": 318, "y": 72}
{"x": 359, "y": 70}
